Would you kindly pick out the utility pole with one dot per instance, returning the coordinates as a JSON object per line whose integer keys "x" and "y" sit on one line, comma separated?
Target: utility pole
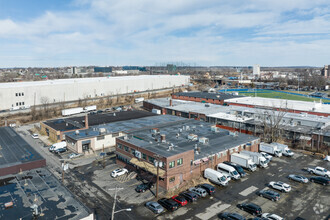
{"x": 114, "y": 202}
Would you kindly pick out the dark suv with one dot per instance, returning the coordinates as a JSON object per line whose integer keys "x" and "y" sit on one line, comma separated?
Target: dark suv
{"x": 144, "y": 187}
{"x": 320, "y": 179}
{"x": 169, "y": 204}
{"x": 191, "y": 197}
{"x": 209, "y": 188}
{"x": 250, "y": 208}
{"x": 237, "y": 167}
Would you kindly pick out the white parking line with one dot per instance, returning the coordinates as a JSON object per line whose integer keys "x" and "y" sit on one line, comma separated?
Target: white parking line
{"x": 213, "y": 210}
{"x": 248, "y": 191}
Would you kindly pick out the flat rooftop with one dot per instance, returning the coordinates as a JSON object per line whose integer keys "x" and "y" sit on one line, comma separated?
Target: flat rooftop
{"x": 73, "y": 123}
{"x": 38, "y": 186}
{"x": 14, "y": 150}
{"x": 176, "y": 135}
{"x": 112, "y": 79}
{"x": 282, "y": 103}
{"x": 207, "y": 95}
{"x": 123, "y": 126}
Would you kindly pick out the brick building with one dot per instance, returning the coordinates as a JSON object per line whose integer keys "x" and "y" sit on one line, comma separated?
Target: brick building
{"x": 185, "y": 148}
{"x": 205, "y": 97}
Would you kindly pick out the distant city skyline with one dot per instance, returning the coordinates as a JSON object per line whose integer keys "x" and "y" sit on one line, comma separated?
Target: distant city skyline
{"x": 61, "y": 33}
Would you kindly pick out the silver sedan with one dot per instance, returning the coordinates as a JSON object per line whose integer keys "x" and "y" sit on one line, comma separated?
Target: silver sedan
{"x": 155, "y": 207}
{"x": 298, "y": 178}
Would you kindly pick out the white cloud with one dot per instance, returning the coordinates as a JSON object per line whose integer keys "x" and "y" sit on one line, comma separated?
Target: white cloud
{"x": 146, "y": 32}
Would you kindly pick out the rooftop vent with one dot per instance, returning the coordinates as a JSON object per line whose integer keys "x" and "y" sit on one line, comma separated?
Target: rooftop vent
{"x": 163, "y": 137}
{"x": 102, "y": 130}
{"x": 203, "y": 140}
{"x": 77, "y": 132}
{"x": 192, "y": 137}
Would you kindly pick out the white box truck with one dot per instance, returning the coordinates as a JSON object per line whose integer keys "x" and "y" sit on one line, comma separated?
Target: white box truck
{"x": 57, "y": 146}
{"x": 138, "y": 100}
{"x": 244, "y": 161}
{"x": 72, "y": 111}
{"x": 90, "y": 108}
{"x": 257, "y": 158}
{"x": 271, "y": 149}
{"x": 228, "y": 170}
{"x": 285, "y": 149}
{"x": 215, "y": 177}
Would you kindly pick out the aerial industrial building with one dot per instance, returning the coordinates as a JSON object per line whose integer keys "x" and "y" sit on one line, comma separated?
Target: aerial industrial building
{"x": 103, "y": 136}
{"x": 185, "y": 148}
{"x": 56, "y": 128}
{"x": 25, "y": 94}
{"x": 16, "y": 154}
{"x": 296, "y": 128}
{"x": 205, "y": 97}
{"x": 316, "y": 108}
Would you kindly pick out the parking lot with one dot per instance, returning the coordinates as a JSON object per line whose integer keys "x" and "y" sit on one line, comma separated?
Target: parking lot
{"x": 309, "y": 201}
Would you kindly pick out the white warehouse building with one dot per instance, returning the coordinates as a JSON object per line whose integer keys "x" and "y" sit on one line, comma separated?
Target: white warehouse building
{"x": 24, "y": 94}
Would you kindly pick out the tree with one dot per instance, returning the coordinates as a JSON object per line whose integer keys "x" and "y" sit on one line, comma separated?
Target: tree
{"x": 45, "y": 105}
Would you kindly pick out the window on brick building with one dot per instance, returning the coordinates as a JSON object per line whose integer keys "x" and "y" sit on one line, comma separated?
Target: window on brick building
{"x": 144, "y": 156}
{"x": 151, "y": 159}
{"x": 172, "y": 164}
{"x": 126, "y": 148}
{"x": 172, "y": 179}
{"x": 179, "y": 161}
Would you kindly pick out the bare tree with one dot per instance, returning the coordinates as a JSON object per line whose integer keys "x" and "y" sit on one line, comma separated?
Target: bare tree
{"x": 45, "y": 105}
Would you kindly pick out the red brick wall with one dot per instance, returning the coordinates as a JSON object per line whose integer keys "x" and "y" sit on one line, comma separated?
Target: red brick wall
{"x": 194, "y": 99}
{"x": 25, "y": 166}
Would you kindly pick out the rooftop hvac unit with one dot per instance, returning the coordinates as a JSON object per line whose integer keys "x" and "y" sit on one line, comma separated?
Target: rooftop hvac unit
{"x": 77, "y": 132}
{"x": 192, "y": 137}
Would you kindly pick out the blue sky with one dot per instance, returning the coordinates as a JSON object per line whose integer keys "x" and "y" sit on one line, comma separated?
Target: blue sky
{"x": 38, "y": 33}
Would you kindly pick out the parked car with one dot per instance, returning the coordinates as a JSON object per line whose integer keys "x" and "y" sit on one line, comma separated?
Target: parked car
{"x": 250, "y": 208}
{"x": 230, "y": 216}
{"x": 200, "y": 192}
{"x": 237, "y": 167}
{"x": 119, "y": 172}
{"x": 208, "y": 187}
{"x": 283, "y": 187}
{"x": 99, "y": 111}
{"x": 35, "y": 136}
{"x": 155, "y": 207}
{"x": 60, "y": 150}
{"x": 74, "y": 155}
{"x": 320, "y": 179}
{"x": 180, "y": 200}
{"x": 298, "y": 178}
{"x": 258, "y": 218}
{"x": 144, "y": 187}
{"x": 169, "y": 204}
{"x": 319, "y": 171}
{"x": 189, "y": 196}
{"x": 269, "y": 194}
{"x": 271, "y": 216}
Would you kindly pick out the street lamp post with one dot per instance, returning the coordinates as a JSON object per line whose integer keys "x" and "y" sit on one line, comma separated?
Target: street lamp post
{"x": 114, "y": 203}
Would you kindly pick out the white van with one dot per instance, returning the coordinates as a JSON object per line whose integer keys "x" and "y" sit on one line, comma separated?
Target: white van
{"x": 215, "y": 177}
{"x": 57, "y": 146}
{"x": 228, "y": 170}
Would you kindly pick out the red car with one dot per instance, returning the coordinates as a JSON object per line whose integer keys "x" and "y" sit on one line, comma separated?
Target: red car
{"x": 180, "y": 199}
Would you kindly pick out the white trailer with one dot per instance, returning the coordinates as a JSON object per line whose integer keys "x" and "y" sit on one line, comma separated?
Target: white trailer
{"x": 138, "y": 100}
{"x": 257, "y": 158}
{"x": 90, "y": 108}
{"x": 285, "y": 149}
{"x": 215, "y": 177}
{"x": 271, "y": 149}
{"x": 156, "y": 111}
{"x": 72, "y": 111}
{"x": 244, "y": 161}
{"x": 57, "y": 146}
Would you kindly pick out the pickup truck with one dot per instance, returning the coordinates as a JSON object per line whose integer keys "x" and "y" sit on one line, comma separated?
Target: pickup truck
{"x": 319, "y": 171}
